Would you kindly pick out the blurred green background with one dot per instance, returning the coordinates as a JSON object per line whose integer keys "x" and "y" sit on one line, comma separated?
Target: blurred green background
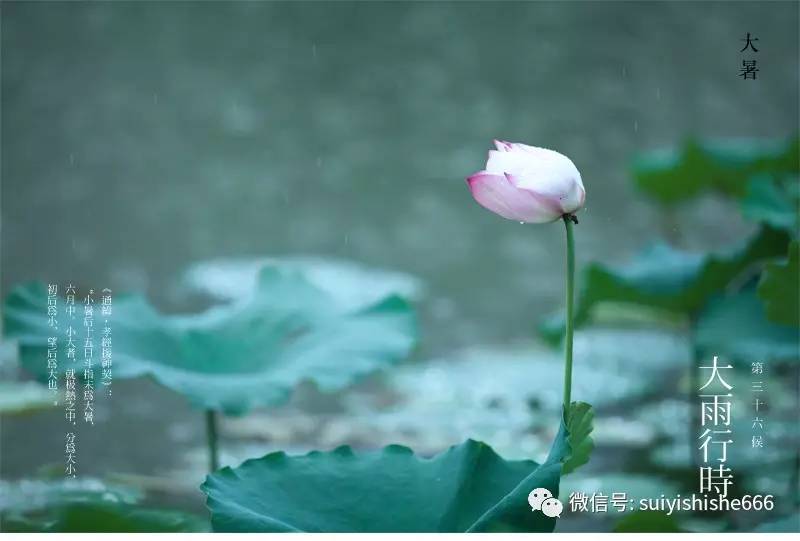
{"x": 142, "y": 138}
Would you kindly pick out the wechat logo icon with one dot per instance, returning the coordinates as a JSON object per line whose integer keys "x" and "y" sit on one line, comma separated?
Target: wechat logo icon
{"x": 541, "y": 499}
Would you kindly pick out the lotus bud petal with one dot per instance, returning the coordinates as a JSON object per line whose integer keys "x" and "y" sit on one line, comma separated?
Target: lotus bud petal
{"x": 528, "y": 184}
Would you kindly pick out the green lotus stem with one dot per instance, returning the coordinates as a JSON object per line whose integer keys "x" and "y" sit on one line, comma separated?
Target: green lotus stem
{"x": 568, "y": 220}
{"x": 211, "y": 434}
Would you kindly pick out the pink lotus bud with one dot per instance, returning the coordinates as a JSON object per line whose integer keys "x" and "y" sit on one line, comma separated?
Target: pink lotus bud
{"x": 528, "y": 184}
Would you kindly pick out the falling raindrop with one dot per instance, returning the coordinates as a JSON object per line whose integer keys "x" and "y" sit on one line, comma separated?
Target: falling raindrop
{"x": 71, "y": 158}
{"x": 635, "y": 125}
{"x": 658, "y": 93}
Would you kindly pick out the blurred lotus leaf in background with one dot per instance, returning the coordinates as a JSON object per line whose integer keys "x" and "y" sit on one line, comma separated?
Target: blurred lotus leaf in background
{"x": 780, "y": 291}
{"x": 736, "y": 328}
{"x": 678, "y": 174}
{"x": 665, "y": 277}
{"x": 239, "y": 356}
{"x": 349, "y": 284}
{"x": 772, "y": 202}
{"x": 24, "y": 397}
{"x": 105, "y": 517}
{"x": 85, "y": 505}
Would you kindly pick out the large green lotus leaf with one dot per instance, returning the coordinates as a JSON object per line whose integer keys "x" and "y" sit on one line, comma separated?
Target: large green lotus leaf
{"x": 772, "y": 201}
{"x": 736, "y": 328}
{"x": 241, "y": 355}
{"x": 466, "y": 488}
{"x": 780, "y": 289}
{"x": 677, "y": 174}
{"x": 666, "y": 278}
